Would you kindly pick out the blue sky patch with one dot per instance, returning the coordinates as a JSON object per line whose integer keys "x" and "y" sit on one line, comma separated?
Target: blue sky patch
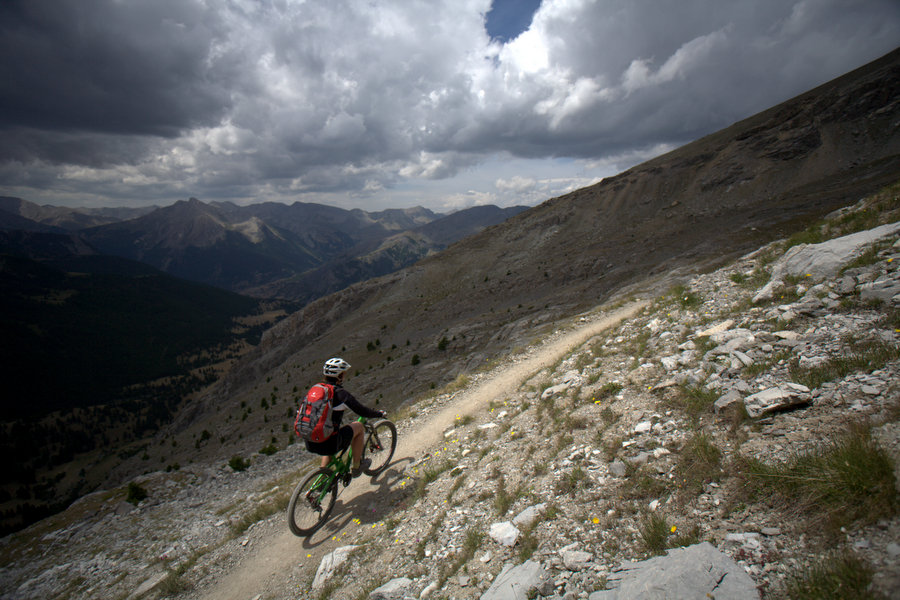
{"x": 508, "y": 18}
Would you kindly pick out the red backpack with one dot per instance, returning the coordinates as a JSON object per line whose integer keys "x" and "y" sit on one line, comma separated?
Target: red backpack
{"x": 313, "y": 422}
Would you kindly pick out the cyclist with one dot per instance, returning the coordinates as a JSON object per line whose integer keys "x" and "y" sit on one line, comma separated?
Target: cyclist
{"x": 351, "y": 435}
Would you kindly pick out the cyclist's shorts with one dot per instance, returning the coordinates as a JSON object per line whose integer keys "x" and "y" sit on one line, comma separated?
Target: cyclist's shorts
{"x": 339, "y": 440}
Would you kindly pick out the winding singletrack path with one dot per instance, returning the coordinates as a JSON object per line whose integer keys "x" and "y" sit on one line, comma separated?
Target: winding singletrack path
{"x": 264, "y": 572}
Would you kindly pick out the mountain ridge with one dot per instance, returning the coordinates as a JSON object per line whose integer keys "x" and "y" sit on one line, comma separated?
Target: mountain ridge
{"x": 297, "y": 252}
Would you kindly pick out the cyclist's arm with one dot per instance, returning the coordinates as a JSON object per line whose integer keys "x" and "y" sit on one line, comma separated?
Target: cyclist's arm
{"x": 357, "y": 406}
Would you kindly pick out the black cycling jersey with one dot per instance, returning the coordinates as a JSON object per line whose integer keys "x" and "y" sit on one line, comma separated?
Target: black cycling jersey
{"x": 344, "y": 400}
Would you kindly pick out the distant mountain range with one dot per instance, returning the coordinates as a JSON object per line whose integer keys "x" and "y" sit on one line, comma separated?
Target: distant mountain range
{"x": 296, "y": 252}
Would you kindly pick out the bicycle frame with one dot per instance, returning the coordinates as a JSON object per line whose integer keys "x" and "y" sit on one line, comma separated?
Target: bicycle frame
{"x": 315, "y": 496}
{"x": 339, "y": 464}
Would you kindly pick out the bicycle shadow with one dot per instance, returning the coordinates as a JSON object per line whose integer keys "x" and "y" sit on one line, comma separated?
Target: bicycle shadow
{"x": 367, "y": 506}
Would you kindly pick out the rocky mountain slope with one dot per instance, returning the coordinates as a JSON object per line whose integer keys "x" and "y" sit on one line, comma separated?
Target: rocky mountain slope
{"x": 375, "y": 258}
{"x": 449, "y": 315}
{"x": 754, "y": 409}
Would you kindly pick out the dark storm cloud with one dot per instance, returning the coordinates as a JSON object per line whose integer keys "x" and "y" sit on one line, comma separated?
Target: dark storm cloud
{"x": 107, "y": 67}
{"x": 285, "y": 99}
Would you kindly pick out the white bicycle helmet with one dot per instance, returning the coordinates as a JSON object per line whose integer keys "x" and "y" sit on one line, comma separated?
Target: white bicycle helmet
{"x": 335, "y": 366}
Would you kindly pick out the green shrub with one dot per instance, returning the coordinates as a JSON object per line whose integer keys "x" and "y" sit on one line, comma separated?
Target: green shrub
{"x": 811, "y": 235}
{"x": 135, "y": 493}
{"x": 268, "y": 450}
{"x": 238, "y": 463}
{"x": 430, "y": 474}
{"x": 685, "y": 299}
{"x": 862, "y": 356}
{"x": 639, "y": 484}
{"x": 695, "y": 399}
{"x": 654, "y": 531}
{"x": 503, "y": 500}
{"x": 609, "y": 389}
{"x": 848, "y": 481}
{"x": 839, "y": 576}
{"x": 698, "y": 463}
{"x": 527, "y": 543}
{"x": 570, "y": 481}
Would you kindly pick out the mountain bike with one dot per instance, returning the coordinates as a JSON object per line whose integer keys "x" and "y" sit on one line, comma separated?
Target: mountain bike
{"x": 313, "y": 499}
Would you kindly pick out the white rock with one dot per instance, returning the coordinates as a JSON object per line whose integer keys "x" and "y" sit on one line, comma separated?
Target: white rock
{"x": 643, "y": 427}
{"x": 149, "y": 585}
{"x": 529, "y": 515}
{"x": 330, "y": 562}
{"x": 727, "y": 324}
{"x": 745, "y": 360}
{"x": 504, "y": 533}
{"x": 515, "y": 583}
{"x": 575, "y": 560}
{"x": 826, "y": 259}
{"x": 669, "y": 363}
{"x": 431, "y": 587}
{"x": 395, "y": 589}
{"x": 774, "y": 398}
{"x": 553, "y": 390}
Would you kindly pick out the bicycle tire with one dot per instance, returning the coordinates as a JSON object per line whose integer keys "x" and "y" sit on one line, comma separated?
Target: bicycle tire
{"x": 380, "y": 444}
{"x": 311, "y": 502}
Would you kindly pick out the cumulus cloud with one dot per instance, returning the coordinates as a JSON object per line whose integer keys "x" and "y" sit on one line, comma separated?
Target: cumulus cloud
{"x": 251, "y": 100}
{"x": 516, "y": 184}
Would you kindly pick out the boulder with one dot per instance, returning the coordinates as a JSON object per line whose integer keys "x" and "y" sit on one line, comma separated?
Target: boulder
{"x": 553, "y": 390}
{"x": 529, "y": 515}
{"x": 883, "y": 290}
{"x": 777, "y": 398}
{"x": 330, "y": 562}
{"x": 575, "y": 560}
{"x": 504, "y": 533}
{"x": 395, "y": 589}
{"x": 515, "y": 583}
{"x": 826, "y": 259}
{"x": 698, "y": 571}
{"x": 729, "y": 398}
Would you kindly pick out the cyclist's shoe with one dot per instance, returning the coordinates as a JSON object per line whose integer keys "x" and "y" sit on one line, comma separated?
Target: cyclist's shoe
{"x": 363, "y": 465}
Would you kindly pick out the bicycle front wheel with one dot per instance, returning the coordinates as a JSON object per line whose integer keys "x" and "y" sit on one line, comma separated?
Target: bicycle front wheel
{"x": 381, "y": 442}
{"x": 311, "y": 502}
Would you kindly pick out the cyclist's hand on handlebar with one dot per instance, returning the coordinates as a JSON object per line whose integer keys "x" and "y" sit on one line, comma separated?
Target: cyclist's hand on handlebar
{"x": 383, "y": 414}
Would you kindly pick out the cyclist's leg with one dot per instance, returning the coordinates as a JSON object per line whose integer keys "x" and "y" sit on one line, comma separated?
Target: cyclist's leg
{"x": 356, "y": 444}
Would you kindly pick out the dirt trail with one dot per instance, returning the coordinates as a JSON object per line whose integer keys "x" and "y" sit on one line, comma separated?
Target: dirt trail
{"x": 265, "y": 571}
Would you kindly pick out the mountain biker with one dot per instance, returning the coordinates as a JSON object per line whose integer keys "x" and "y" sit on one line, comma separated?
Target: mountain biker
{"x": 348, "y": 435}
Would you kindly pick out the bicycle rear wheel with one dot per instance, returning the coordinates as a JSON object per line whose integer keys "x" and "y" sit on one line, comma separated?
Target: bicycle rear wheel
{"x": 381, "y": 442}
{"x": 311, "y": 502}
